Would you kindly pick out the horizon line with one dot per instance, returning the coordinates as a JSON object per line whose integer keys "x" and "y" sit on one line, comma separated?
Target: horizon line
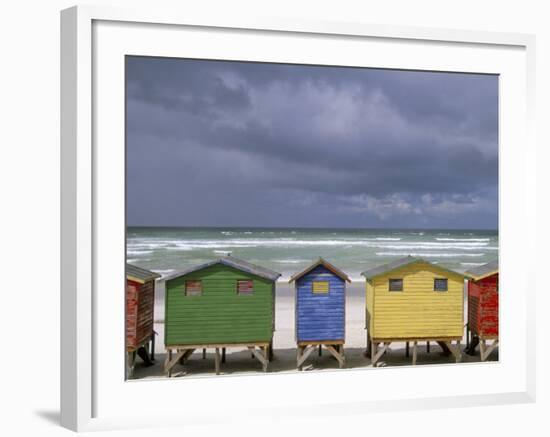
{"x": 314, "y": 227}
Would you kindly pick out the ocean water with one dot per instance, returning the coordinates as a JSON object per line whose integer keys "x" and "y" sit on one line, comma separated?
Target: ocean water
{"x": 287, "y": 251}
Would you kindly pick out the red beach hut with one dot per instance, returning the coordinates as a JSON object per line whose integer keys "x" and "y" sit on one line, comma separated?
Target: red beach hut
{"x": 483, "y": 309}
{"x": 140, "y": 303}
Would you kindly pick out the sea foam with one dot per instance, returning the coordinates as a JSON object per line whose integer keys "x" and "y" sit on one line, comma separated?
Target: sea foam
{"x": 463, "y": 239}
{"x": 429, "y": 255}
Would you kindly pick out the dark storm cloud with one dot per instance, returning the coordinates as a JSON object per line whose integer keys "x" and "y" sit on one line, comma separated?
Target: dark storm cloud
{"x": 298, "y": 146}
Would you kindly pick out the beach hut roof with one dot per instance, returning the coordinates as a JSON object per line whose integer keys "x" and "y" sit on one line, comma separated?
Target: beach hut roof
{"x": 324, "y": 263}
{"x": 230, "y": 261}
{"x": 484, "y": 271}
{"x": 140, "y": 275}
{"x": 402, "y": 262}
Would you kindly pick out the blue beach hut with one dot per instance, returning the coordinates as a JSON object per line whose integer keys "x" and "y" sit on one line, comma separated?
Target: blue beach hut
{"x": 320, "y": 310}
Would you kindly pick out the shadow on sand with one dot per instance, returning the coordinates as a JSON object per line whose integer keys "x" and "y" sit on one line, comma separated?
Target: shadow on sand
{"x": 241, "y": 362}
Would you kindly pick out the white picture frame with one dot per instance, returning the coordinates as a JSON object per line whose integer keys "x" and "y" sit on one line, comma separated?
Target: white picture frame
{"x": 93, "y": 39}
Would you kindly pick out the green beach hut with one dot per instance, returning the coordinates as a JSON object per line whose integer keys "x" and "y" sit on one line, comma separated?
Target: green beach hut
{"x": 227, "y": 302}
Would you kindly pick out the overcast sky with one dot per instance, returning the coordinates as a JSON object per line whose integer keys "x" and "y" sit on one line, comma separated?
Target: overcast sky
{"x": 213, "y": 143}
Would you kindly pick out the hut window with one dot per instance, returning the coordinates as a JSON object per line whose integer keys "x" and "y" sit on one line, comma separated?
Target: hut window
{"x": 396, "y": 285}
{"x": 193, "y": 288}
{"x": 440, "y": 284}
{"x": 245, "y": 287}
{"x": 320, "y": 287}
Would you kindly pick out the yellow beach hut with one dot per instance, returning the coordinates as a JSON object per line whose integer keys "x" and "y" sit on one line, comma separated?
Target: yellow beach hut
{"x": 413, "y": 300}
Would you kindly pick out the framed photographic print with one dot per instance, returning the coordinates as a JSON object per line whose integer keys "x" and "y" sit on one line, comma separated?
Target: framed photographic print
{"x": 271, "y": 215}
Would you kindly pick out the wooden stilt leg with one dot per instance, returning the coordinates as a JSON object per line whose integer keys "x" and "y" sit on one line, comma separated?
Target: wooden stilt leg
{"x": 266, "y": 357}
{"x": 166, "y": 360}
{"x": 454, "y": 349}
{"x": 305, "y": 352}
{"x": 204, "y": 353}
{"x": 217, "y": 361}
{"x": 414, "y": 353}
{"x": 131, "y": 364}
{"x": 320, "y": 350}
{"x": 336, "y": 353}
{"x": 186, "y": 354}
{"x": 428, "y": 347}
{"x": 377, "y": 353}
{"x": 271, "y": 350}
{"x": 260, "y": 355}
{"x": 486, "y": 351}
{"x": 368, "y": 351}
{"x": 127, "y": 364}
{"x": 407, "y": 349}
{"x": 223, "y": 355}
{"x": 445, "y": 347}
{"x": 170, "y": 362}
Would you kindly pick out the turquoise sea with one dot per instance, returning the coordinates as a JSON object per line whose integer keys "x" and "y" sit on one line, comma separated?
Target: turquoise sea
{"x": 287, "y": 250}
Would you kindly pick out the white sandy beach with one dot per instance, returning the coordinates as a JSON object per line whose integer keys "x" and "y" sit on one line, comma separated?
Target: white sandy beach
{"x": 239, "y": 361}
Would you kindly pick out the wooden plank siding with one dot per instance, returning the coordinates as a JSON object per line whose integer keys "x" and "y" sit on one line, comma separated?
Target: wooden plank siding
{"x": 146, "y": 306}
{"x": 220, "y": 314}
{"x": 418, "y": 311}
{"x": 483, "y": 306}
{"x": 139, "y": 312}
{"x": 370, "y": 306}
{"x": 320, "y": 316}
{"x": 132, "y": 289}
{"x": 474, "y": 291}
